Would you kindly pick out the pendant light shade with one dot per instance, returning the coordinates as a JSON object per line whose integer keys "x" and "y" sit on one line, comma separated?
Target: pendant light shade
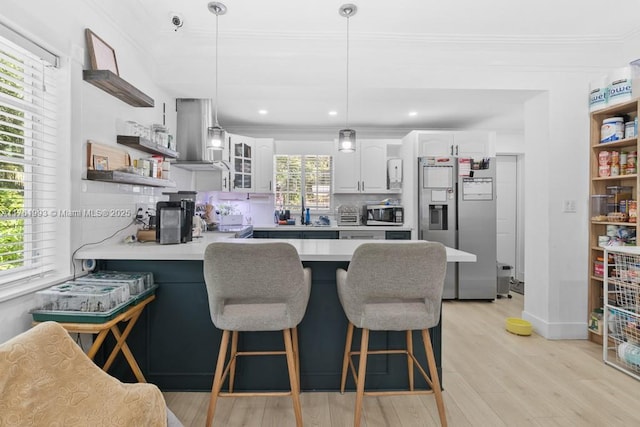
{"x": 347, "y": 140}
{"x": 215, "y": 134}
{"x": 215, "y": 138}
{"x": 347, "y": 137}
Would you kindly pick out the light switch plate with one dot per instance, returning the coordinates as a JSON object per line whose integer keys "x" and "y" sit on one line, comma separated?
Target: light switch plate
{"x": 569, "y": 206}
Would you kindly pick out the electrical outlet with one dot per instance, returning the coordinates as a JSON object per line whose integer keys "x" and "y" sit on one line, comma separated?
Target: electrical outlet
{"x": 569, "y": 206}
{"x": 143, "y": 211}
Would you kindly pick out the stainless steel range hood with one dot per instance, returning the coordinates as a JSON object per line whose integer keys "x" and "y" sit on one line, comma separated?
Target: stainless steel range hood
{"x": 195, "y": 116}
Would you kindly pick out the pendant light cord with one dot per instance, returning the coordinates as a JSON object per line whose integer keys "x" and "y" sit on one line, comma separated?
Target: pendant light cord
{"x": 347, "y": 112}
{"x": 216, "y": 111}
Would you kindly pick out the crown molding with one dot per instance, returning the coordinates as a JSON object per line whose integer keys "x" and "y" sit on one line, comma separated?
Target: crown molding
{"x": 329, "y": 133}
{"x": 488, "y": 39}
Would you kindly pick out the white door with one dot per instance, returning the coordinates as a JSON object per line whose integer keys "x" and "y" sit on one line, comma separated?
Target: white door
{"x": 506, "y": 203}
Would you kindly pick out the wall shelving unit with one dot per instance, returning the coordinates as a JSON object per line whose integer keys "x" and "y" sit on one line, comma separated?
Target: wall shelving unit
{"x": 598, "y": 186}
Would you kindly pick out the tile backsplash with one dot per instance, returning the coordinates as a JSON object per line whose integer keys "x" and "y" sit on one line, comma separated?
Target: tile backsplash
{"x": 258, "y": 209}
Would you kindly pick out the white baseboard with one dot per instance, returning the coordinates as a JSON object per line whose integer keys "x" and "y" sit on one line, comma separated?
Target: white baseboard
{"x": 557, "y": 330}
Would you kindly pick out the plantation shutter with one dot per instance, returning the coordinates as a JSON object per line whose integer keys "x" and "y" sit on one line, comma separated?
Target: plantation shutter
{"x": 27, "y": 159}
{"x": 308, "y": 176}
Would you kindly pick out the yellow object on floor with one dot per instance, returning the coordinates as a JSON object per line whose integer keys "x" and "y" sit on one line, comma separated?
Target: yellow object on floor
{"x": 518, "y": 326}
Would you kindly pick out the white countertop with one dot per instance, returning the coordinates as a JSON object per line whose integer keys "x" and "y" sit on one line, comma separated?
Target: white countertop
{"x": 308, "y": 249}
{"x": 276, "y": 227}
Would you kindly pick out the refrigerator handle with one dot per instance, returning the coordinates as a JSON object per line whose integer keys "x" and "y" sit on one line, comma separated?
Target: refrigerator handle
{"x": 457, "y": 150}
{"x": 451, "y": 146}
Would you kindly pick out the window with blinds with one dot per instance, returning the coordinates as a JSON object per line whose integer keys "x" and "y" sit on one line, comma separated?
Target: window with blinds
{"x": 308, "y": 176}
{"x": 27, "y": 162}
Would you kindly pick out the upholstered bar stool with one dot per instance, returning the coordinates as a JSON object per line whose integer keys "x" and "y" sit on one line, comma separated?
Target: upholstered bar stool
{"x": 393, "y": 287}
{"x": 255, "y": 287}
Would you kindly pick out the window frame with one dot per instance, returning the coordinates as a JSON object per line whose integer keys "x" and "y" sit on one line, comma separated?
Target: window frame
{"x": 302, "y": 183}
{"x": 37, "y": 100}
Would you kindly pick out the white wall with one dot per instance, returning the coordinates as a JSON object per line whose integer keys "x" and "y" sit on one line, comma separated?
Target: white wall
{"x": 90, "y": 114}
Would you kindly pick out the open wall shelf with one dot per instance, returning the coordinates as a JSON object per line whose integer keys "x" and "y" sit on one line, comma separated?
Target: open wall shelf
{"x": 118, "y": 87}
{"x": 128, "y": 178}
{"x": 146, "y": 145}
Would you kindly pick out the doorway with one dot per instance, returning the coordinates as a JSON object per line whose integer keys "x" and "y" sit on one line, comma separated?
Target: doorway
{"x": 509, "y": 246}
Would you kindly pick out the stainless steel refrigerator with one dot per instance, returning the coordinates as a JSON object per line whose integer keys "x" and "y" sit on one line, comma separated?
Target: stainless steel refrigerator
{"x": 457, "y": 207}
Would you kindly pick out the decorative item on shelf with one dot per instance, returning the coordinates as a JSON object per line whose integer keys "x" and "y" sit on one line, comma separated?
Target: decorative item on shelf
{"x": 100, "y": 163}
{"x": 346, "y": 136}
{"x": 102, "y": 56}
{"x": 216, "y": 134}
{"x": 104, "y": 73}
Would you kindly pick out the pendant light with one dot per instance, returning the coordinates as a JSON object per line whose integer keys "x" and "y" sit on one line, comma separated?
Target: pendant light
{"x": 346, "y": 136}
{"x": 216, "y": 135}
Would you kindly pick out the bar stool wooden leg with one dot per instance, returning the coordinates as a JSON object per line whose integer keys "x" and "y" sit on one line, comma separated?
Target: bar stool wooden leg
{"x": 435, "y": 380}
{"x": 362, "y": 369}
{"x": 409, "y": 358}
{"x": 345, "y": 360}
{"x": 217, "y": 377}
{"x": 296, "y": 354}
{"x": 295, "y": 387}
{"x": 232, "y": 368}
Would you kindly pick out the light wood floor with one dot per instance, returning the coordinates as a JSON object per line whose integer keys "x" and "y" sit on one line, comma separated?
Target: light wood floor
{"x": 491, "y": 378}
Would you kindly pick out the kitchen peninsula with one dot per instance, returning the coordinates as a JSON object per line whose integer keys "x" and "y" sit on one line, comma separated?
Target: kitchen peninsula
{"x": 176, "y": 344}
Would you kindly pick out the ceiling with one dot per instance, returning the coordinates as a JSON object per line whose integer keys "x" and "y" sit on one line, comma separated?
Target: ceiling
{"x": 289, "y": 57}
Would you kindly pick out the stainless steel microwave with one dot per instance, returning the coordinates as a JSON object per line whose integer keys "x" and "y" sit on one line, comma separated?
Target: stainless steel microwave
{"x": 382, "y": 215}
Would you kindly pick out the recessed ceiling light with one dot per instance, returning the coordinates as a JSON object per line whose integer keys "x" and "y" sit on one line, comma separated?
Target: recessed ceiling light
{"x": 333, "y": 113}
{"x": 263, "y": 112}
{"x": 413, "y": 113}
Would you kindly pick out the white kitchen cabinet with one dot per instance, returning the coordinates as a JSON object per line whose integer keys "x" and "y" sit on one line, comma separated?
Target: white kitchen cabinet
{"x": 466, "y": 144}
{"x": 263, "y": 176}
{"x": 474, "y": 144}
{"x": 435, "y": 144}
{"x": 241, "y": 156}
{"x": 363, "y": 171}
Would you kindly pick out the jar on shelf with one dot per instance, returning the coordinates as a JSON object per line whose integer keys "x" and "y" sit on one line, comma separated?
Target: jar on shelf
{"x": 604, "y": 162}
{"x": 600, "y": 206}
{"x": 632, "y": 208}
{"x": 615, "y": 163}
{"x": 612, "y": 129}
{"x": 629, "y": 130}
{"x": 631, "y": 163}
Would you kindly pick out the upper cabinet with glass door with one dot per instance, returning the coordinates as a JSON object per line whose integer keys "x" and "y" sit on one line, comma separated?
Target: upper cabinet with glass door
{"x": 241, "y": 157}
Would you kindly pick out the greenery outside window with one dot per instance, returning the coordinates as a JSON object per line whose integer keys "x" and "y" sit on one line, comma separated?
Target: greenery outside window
{"x": 27, "y": 163}
{"x": 308, "y": 176}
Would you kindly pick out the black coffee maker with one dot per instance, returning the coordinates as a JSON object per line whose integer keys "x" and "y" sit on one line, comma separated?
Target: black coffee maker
{"x": 174, "y": 221}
